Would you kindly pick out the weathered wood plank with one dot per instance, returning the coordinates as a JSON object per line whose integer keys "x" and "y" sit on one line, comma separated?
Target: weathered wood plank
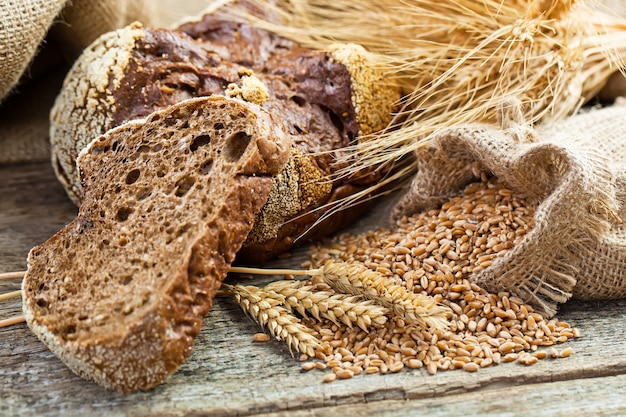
{"x": 33, "y": 206}
{"x": 579, "y": 397}
{"x": 229, "y": 374}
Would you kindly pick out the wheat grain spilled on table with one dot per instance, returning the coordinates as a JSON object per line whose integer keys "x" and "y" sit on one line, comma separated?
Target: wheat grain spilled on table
{"x": 434, "y": 253}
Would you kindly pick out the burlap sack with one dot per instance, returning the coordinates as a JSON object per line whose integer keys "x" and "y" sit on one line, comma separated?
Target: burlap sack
{"x": 23, "y": 25}
{"x": 31, "y": 71}
{"x": 575, "y": 171}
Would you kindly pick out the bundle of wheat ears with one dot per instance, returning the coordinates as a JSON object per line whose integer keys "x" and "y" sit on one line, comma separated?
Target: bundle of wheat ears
{"x": 457, "y": 60}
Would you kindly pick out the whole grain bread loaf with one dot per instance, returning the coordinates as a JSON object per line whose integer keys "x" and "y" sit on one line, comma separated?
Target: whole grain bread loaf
{"x": 119, "y": 294}
{"x": 327, "y": 100}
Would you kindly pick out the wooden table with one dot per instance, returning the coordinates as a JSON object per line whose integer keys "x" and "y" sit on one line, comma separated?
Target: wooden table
{"x": 229, "y": 374}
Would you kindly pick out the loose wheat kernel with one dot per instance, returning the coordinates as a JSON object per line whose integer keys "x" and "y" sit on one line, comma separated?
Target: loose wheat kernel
{"x": 344, "y": 373}
{"x": 371, "y": 370}
{"x": 414, "y": 364}
{"x": 431, "y": 368}
{"x": 486, "y": 362}
{"x": 307, "y": 366}
{"x": 333, "y": 363}
{"x": 356, "y": 370}
{"x": 470, "y": 367}
{"x": 329, "y": 377}
{"x": 456, "y": 364}
{"x": 566, "y": 352}
{"x": 261, "y": 337}
{"x": 396, "y": 367}
{"x": 384, "y": 368}
{"x": 529, "y": 360}
{"x": 506, "y": 347}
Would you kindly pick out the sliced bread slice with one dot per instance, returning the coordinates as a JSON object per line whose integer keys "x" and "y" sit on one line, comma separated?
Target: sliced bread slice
{"x": 119, "y": 294}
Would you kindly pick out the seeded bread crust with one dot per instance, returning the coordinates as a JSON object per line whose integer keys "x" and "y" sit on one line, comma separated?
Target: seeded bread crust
{"x": 119, "y": 294}
{"x": 326, "y": 101}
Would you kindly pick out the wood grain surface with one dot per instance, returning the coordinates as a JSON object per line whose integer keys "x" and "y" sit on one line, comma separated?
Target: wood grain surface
{"x": 230, "y": 374}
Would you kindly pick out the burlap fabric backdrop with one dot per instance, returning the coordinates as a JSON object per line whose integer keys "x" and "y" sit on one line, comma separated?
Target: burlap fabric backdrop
{"x": 575, "y": 171}
{"x": 38, "y": 40}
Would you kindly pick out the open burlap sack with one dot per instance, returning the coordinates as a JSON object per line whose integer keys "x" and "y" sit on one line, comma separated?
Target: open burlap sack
{"x": 39, "y": 39}
{"x": 575, "y": 171}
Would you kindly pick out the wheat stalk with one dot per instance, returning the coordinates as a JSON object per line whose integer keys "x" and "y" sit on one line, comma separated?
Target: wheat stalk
{"x": 12, "y": 294}
{"x": 356, "y": 279}
{"x": 338, "y": 308}
{"x": 456, "y": 61}
{"x": 265, "y": 310}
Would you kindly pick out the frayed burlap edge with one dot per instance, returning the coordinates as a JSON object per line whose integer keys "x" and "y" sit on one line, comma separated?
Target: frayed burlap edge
{"x": 27, "y": 87}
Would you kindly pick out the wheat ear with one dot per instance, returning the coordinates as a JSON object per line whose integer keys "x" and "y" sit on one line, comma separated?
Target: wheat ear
{"x": 264, "y": 308}
{"x": 357, "y": 279}
{"x": 348, "y": 309}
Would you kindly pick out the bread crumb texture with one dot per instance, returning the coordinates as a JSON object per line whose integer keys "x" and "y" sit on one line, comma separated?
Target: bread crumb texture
{"x": 119, "y": 293}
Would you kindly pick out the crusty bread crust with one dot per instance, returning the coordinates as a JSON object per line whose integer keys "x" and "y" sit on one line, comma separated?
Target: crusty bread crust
{"x": 327, "y": 100}
{"x": 119, "y": 294}
{"x": 84, "y": 109}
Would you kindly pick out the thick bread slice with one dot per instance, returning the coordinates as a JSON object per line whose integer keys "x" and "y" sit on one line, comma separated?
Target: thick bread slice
{"x": 119, "y": 293}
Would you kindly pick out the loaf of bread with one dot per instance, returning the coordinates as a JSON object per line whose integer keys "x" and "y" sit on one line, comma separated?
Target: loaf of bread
{"x": 119, "y": 294}
{"x": 326, "y": 100}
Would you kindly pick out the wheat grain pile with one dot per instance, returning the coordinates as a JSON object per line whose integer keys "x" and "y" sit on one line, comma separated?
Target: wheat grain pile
{"x": 341, "y": 320}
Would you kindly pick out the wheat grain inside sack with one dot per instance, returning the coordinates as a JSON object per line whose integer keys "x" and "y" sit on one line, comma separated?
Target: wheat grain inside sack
{"x": 574, "y": 170}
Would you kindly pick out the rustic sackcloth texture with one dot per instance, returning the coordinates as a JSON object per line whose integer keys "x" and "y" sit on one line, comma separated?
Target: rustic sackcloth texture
{"x": 37, "y": 37}
{"x": 23, "y": 26}
{"x": 575, "y": 171}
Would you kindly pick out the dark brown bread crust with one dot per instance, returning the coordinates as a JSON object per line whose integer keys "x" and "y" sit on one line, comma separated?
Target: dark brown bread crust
{"x": 119, "y": 294}
{"x": 310, "y": 91}
{"x": 152, "y": 70}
